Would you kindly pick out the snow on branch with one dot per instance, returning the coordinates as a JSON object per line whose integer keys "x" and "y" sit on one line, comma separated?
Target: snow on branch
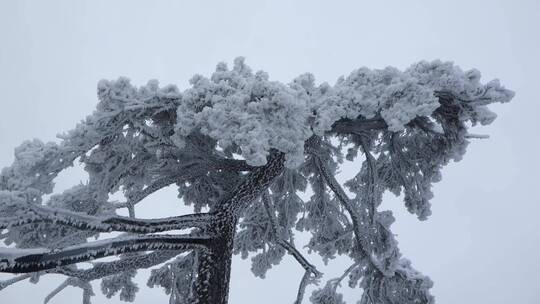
{"x": 84, "y": 285}
{"x": 363, "y": 243}
{"x": 310, "y": 268}
{"x": 104, "y": 269}
{"x": 408, "y": 124}
{"x": 32, "y": 260}
{"x": 8, "y": 282}
{"x": 304, "y": 282}
{"x": 36, "y": 214}
{"x": 358, "y": 125}
{"x": 246, "y": 109}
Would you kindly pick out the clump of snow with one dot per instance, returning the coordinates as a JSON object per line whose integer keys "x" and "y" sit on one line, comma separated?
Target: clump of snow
{"x": 238, "y": 107}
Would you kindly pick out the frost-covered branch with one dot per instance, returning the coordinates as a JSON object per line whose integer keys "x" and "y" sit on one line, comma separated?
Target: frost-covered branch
{"x": 408, "y": 124}
{"x": 37, "y": 214}
{"x": 104, "y": 269}
{"x": 8, "y": 282}
{"x": 155, "y": 186}
{"x": 84, "y": 285}
{"x": 337, "y": 281}
{"x": 57, "y": 290}
{"x": 310, "y": 268}
{"x": 304, "y": 282}
{"x": 336, "y": 188}
{"x": 231, "y": 165}
{"x": 217, "y": 164}
{"x": 31, "y": 260}
{"x": 372, "y": 181}
{"x": 358, "y": 125}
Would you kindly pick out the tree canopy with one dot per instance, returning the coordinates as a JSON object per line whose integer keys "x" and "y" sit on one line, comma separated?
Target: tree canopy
{"x": 240, "y": 149}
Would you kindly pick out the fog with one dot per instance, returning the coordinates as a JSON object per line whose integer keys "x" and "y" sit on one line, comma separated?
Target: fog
{"x": 481, "y": 243}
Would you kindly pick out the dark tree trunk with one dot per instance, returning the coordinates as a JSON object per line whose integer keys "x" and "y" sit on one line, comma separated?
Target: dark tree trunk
{"x": 214, "y": 268}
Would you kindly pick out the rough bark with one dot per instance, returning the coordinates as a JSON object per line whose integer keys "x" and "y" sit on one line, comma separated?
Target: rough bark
{"x": 212, "y": 284}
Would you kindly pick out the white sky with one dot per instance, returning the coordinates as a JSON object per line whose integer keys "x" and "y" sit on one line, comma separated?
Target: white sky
{"x": 481, "y": 244}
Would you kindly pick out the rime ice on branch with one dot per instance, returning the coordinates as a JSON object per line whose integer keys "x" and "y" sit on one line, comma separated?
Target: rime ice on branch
{"x": 403, "y": 126}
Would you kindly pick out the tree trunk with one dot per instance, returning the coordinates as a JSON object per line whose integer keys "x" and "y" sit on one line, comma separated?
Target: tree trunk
{"x": 214, "y": 268}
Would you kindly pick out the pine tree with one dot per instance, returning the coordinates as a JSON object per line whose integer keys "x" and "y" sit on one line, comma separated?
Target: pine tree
{"x": 240, "y": 150}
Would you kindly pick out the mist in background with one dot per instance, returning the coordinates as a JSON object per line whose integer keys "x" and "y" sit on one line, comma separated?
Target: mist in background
{"x": 481, "y": 245}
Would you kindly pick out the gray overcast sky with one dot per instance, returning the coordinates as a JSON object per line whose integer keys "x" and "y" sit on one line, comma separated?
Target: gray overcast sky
{"x": 481, "y": 244}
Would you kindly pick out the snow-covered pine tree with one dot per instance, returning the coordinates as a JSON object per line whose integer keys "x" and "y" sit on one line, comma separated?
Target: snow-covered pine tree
{"x": 240, "y": 148}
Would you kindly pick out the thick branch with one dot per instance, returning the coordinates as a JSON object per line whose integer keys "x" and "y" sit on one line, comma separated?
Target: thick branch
{"x": 83, "y": 221}
{"x": 102, "y": 270}
{"x": 32, "y": 260}
{"x": 252, "y": 185}
{"x": 231, "y": 165}
{"x": 358, "y": 125}
{"x": 212, "y": 284}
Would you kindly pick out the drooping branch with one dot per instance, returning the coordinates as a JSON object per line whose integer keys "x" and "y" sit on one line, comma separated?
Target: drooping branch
{"x": 336, "y": 188}
{"x": 32, "y": 260}
{"x": 40, "y": 214}
{"x": 310, "y": 268}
